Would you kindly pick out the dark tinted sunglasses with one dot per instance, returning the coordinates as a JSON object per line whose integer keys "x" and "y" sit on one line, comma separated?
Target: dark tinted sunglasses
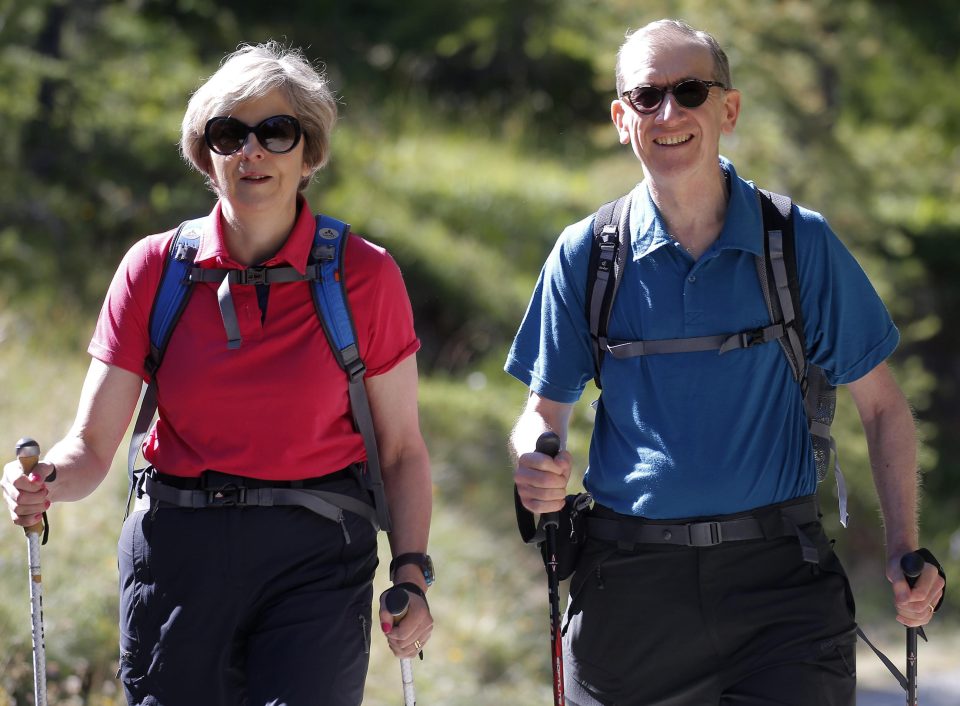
{"x": 278, "y": 134}
{"x": 689, "y": 93}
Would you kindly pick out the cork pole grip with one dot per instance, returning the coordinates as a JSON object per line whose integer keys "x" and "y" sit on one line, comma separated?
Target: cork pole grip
{"x": 28, "y": 453}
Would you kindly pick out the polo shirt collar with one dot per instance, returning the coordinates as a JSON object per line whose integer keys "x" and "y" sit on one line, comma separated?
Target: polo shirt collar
{"x": 294, "y": 252}
{"x": 742, "y": 226}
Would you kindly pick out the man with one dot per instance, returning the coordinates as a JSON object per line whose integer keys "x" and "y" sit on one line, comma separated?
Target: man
{"x": 694, "y": 436}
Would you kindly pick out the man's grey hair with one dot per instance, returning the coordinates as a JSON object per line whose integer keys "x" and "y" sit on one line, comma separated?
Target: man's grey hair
{"x": 654, "y": 33}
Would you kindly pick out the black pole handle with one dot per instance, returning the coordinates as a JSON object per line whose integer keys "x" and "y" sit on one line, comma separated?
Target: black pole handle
{"x": 549, "y": 443}
{"x": 397, "y": 602}
{"x": 912, "y": 566}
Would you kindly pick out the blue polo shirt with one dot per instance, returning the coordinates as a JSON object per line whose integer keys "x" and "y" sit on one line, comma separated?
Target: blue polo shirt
{"x": 694, "y": 434}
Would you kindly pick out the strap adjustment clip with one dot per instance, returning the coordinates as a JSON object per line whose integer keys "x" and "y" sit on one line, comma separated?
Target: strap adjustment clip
{"x": 752, "y": 338}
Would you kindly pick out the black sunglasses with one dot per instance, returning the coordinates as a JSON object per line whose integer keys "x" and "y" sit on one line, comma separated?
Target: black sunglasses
{"x": 278, "y": 134}
{"x": 689, "y": 93}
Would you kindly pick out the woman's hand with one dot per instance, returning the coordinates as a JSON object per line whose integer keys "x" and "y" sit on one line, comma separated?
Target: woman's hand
{"x": 407, "y": 637}
{"x": 26, "y": 493}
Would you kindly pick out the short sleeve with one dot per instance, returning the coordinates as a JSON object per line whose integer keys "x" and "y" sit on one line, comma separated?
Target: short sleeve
{"x": 380, "y": 306}
{"x": 552, "y": 353}
{"x": 849, "y": 330}
{"x": 121, "y": 335}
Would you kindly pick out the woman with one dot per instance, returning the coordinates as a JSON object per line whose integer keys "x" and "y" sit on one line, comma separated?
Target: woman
{"x": 230, "y": 603}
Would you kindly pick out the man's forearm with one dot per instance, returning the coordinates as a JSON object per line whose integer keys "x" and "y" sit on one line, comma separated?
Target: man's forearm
{"x": 892, "y": 443}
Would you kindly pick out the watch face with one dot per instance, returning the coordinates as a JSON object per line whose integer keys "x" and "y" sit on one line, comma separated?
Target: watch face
{"x": 428, "y": 574}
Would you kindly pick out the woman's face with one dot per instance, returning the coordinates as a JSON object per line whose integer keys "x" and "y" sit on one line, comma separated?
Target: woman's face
{"x": 253, "y": 178}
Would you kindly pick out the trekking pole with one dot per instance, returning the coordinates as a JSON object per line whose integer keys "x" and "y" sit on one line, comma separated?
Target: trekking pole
{"x": 549, "y": 443}
{"x": 397, "y": 601}
{"x": 28, "y": 453}
{"x": 912, "y": 566}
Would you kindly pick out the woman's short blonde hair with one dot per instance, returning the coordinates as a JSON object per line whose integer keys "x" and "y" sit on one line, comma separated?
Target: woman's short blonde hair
{"x": 251, "y": 72}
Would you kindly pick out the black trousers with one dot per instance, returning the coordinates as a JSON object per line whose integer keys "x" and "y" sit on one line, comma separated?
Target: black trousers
{"x": 245, "y": 606}
{"x": 742, "y": 623}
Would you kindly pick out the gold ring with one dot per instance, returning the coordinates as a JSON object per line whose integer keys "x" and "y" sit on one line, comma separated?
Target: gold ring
{"x": 932, "y": 609}
{"x": 416, "y": 643}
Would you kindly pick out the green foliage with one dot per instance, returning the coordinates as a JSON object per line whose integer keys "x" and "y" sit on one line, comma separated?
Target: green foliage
{"x": 471, "y": 133}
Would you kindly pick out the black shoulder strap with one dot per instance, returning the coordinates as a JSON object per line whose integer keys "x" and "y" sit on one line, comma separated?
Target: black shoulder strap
{"x": 608, "y": 252}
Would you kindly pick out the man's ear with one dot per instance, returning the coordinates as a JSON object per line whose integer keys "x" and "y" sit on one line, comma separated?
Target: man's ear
{"x": 617, "y": 114}
{"x": 731, "y": 107}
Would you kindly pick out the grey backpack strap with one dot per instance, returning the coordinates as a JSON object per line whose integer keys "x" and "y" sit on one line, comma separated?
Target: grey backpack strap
{"x": 722, "y": 343}
{"x": 259, "y": 275}
{"x": 611, "y": 238}
{"x": 776, "y": 210}
{"x": 779, "y": 264}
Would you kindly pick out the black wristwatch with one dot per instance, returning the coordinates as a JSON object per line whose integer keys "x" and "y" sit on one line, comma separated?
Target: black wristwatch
{"x": 422, "y": 560}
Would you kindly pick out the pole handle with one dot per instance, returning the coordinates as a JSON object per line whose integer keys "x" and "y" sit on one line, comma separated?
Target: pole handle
{"x": 28, "y": 454}
{"x": 397, "y": 603}
{"x": 549, "y": 443}
{"x": 912, "y": 566}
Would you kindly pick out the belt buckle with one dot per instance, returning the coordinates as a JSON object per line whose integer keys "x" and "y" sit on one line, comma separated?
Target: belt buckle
{"x": 252, "y": 275}
{"x": 705, "y": 534}
{"x": 227, "y": 495}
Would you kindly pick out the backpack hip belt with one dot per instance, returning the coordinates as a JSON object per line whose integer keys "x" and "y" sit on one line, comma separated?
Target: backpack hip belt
{"x": 235, "y": 493}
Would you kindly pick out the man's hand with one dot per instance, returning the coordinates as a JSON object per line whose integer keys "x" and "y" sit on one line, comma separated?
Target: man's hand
{"x": 915, "y": 606}
{"x": 542, "y": 480}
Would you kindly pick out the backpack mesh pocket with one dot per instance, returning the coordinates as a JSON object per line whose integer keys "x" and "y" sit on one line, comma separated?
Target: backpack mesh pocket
{"x": 821, "y": 404}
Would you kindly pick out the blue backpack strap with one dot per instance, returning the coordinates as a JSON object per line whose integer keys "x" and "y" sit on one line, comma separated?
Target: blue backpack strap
{"x": 171, "y": 299}
{"x": 329, "y": 291}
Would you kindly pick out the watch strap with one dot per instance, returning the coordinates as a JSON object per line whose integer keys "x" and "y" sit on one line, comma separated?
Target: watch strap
{"x": 421, "y": 560}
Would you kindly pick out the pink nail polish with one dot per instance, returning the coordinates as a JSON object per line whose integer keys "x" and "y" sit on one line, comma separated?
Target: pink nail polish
{"x": 386, "y": 627}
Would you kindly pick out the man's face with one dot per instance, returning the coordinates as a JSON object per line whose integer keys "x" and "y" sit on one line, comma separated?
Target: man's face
{"x": 672, "y": 142}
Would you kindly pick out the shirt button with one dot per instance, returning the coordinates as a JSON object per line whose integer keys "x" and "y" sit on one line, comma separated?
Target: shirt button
{"x": 691, "y": 279}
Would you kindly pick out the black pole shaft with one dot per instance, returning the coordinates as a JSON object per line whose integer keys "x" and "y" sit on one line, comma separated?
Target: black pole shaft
{"x": 912, "y": 566}
{"x": 549, "y": 443}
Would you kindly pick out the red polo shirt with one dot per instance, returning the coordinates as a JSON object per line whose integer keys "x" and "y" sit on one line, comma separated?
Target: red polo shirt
{"x": 277, "y": 407}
